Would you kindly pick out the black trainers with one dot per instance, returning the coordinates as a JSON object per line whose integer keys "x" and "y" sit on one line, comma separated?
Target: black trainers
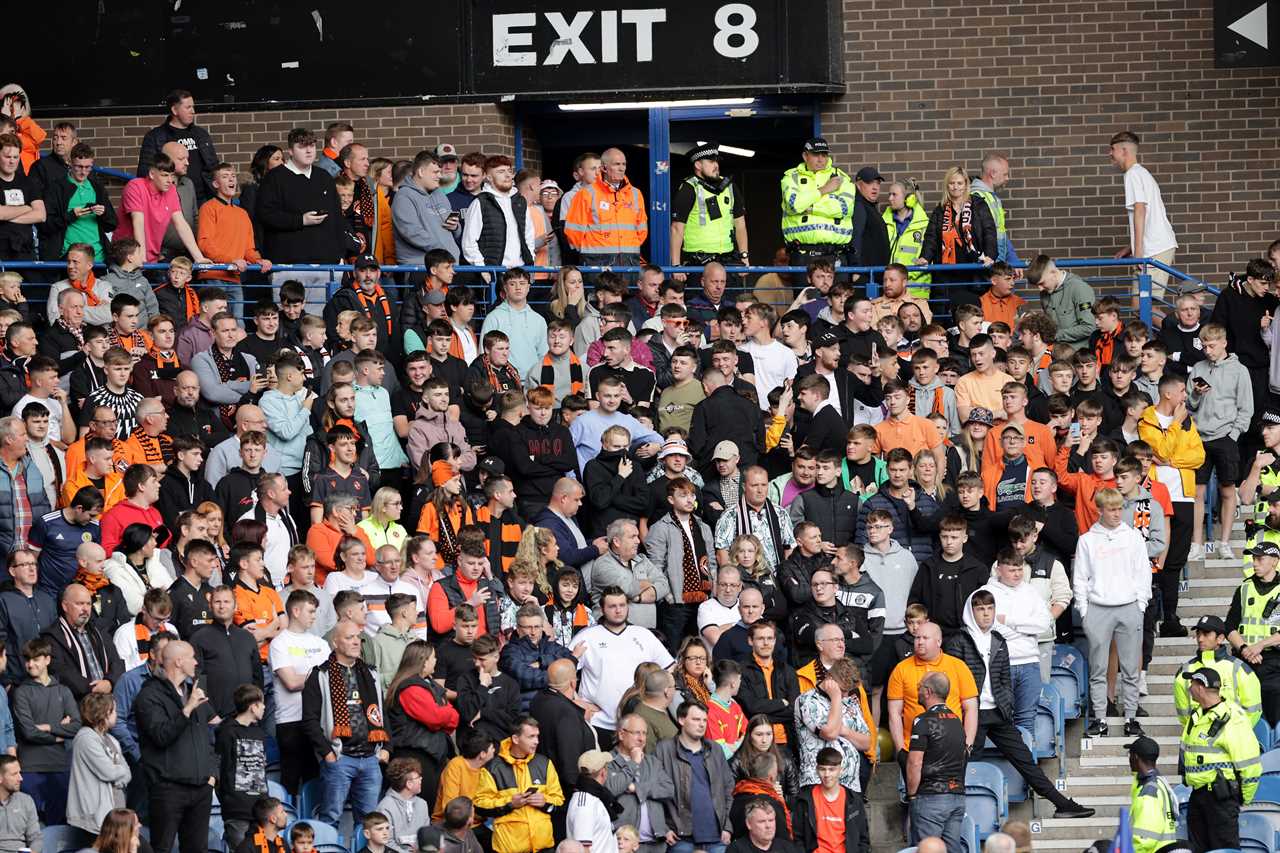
{"x": 1142, "y": 712}
{"x": 1098, "y": 728}
{"x": 1113, "y": 710}
{"x": 1173, "y": 629}
{"x": 1074, "y": 810}
{"x": 1132, "y": 728}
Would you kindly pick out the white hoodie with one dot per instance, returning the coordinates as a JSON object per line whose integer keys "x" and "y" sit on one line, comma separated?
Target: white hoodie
{"x": 1026, "y": 617}
{"x": 1111, "y": 568}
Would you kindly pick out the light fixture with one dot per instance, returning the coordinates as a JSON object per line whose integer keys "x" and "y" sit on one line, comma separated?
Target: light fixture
{"x": 646, "y": 105}
{"x": 737, "y": 152}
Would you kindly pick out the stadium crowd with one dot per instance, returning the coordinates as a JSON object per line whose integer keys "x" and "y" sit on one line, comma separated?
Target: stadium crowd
{"x": 637, "y": 563}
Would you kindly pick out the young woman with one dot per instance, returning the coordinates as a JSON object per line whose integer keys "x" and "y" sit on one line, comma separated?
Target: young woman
{"x": 568, "y": 296}
{"x": 120, "y": 833}
{"x": 965, "y": 454}
{"x": 212, "y": 515}
{"x": 747, "y": 554}
{"x": 419, "y": 718}
{"x": 351, "y": 560}
{"x": 99, "y": 772}
{"x": 445, "y": 512}
{"x": 961, "y": 231}
{"x": 538, "y": 547}
{"x": 692, "y": 672}
{"x": 760, "y": 739}
{"x": 568, "y": 612}
{"x": 135, "y": 566}
{"x": 382, "y": 526}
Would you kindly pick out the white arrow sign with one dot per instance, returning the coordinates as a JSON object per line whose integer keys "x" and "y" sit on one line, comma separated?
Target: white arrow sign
{"x": 1252, "y": 26}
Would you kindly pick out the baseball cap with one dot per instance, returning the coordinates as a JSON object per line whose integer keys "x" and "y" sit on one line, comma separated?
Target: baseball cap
{"x": 1265, "y": 549}
{"x": 1272, "y": 497}
{"x": 725, "y": 450}
{"x": 593, "y": 760}
{"x": 705, "y": 151}
{"x": 1145, "y": 748}
{"x": 869, "y": 173}
{"x": 1205, "y": 676}
{"x": 1271, "y": 416}
{"x": 979, "y": 415}
{"x": 1018, "y": 428}
{"x": 817, "y": 145}
{"x": 445, "y": 151}
{"x": 826, "y": 339}
{"x": 366, "y": 262}
{"x": 493, "y": 466}
{"x": 1211, "y": 623}
{"x": 674, "y": 447}
{"x": 434, "y": 296}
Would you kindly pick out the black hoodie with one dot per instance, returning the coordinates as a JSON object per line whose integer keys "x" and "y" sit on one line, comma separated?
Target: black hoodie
{"x": 535, "y": 457}
{"x": 943, "y": 588}
{"x": 609, "y": 496}
{"x": 179, "y": 494}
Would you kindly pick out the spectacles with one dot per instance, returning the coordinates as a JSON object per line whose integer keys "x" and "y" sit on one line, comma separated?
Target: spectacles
{"x": 822, "y": 583}
{"x": 880, "y": 526}
{"x": 689, "y": 659}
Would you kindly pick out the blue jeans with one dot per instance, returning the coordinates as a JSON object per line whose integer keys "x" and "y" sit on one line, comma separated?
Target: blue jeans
{"x": 688, "y": 847}
{"x": 938, "y": 814}
{"x": 1026, "y": 694}
{"x": 361, "y": 778}
{"x": 49, "y": 791}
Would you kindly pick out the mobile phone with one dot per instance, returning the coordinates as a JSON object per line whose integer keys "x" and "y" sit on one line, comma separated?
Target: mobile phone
{"x": 529, "y": 791}
{"x": 1200, "y": 383}
{"x": 1074, "y": 429}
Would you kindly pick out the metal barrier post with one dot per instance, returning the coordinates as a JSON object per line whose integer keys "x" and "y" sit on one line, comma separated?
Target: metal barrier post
{"x": 873, "y": 287}
{"x": 1144, "y": 295}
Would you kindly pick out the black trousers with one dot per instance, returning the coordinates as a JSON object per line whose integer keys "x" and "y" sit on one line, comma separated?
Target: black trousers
{"x": 1212, "y": 824}
{"x": 1270, "y": 683}
{"x": 180, "y": 811}
{"x": 1008, "y": 739}
{"x": 297, "y": 758}
{"x": 677, "y": 621}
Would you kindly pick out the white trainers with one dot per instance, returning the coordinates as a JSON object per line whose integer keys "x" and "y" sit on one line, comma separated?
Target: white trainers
{"x": 1224, "y": 551}
{"x": 1142, "y": 683}
{"x": 1196, "y": 553}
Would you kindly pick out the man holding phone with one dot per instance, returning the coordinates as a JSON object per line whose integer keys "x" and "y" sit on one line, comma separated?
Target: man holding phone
{"x": 300, "y": 218}
{"x": 520, "y": 786}
{"x": 1221, "y": 398}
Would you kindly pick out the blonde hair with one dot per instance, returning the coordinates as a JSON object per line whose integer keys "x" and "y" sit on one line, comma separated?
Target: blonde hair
{"x": 10, "y": 277}
{"x": 343, "y": 324}
{"x": 941, "y": 489}
{"x": 615, "y": 430}
{"x": 559, "y": 294}
{"x": 946, "y": 179}
{"x": 182, "y": 262}
{"x": 380, "y": 499}
{"x": 1108, "y": 499}
{"x": 529, "y": 551}
{"x": 757, "y": 569}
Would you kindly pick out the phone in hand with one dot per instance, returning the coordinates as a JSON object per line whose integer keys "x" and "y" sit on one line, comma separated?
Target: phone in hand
{"x": 1200, "y": 384}
{"x": 1074, "y": 430}
{"x": 530, "y": 791}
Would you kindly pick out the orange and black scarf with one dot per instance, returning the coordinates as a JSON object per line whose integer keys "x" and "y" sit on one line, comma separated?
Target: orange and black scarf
{"x": 503, "y": 378}
{"x": 368, "y": 694}
{"x": 763, "y": 789}
{"x": 697, "y": 688}
{"x": 136, "y": 340}
{"x": 547, "y": 378}
{"x": 156, "y": 450}
{"x": 92, "y": 581}
{"x": 164, "y": 359}
{"x": 367, "y": 301}
{"x": 957, "y": 234}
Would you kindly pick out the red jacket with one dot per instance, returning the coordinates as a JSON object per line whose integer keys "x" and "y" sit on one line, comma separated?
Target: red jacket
{"x": 120, "y": 516}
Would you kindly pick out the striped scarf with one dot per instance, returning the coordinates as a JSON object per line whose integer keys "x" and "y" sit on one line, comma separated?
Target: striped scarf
{"x": 378, "y": 297}
{"x": 957, "y": 232}
{"x": 155, "y": 449}
{"x": 503, "y": 378}
{"x": 761, "y": 788}
{"x": 164, "y": 359}
{"x": 225, "y": 374}
{"x": 338, "y": 700}
{"x": 547, "y": 379}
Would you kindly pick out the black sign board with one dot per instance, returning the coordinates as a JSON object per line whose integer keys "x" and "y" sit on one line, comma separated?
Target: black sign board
{"x": 1246, "y": 33}
{"x": 237, "y": 54}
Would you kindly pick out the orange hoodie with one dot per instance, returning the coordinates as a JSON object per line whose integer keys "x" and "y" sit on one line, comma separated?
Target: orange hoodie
{"x": 1084, "y": 485}
{"x": 32, "y": 136}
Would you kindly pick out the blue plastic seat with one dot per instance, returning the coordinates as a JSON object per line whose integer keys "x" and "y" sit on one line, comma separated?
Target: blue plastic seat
{"x": 969, "y": 835}
{"x": 986, "y": 797}
{"x": 1070, "y": 676}
{"x": 1257, "y": 834}
{"x": 1268, "y": 793}
{"x": 1271, "y": 762}
{"x": 1051, "y": 726}
{"x": 1015, "y": 786}
{"x": 357, "y": 838}
{"x": 1264, "y": 734}
{"x": 309, "y": 799}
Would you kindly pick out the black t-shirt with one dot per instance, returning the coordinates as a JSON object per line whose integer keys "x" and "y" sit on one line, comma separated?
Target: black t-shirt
{"x": 639, "y": 380}
{"x": 684, "y": 201}
{"x": 864, "y": 471}
{"x": 406, "y": 402}
{"x": 1011, "y": 489}
{"x": 939, "y": 734}
{"x": 15, "y": 239}
{"x": 746, "y": 364}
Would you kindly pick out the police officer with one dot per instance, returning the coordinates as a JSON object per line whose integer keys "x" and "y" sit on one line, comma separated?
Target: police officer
{"x": 708, "y": 219}
{"x": 1153, "y": 807}
{"x": 1261, "y": 529}
{"x": 1239, "y": 683}
{"x": 1222, "y": 764}
{"x": 906, "y": 221}
{"x": 1262, "y": 486}
{"x": 1253, "y": 625}
{"x": 817, "y": 207}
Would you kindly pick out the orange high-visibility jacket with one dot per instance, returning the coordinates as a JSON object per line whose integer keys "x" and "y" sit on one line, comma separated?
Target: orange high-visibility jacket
{"x": 605, "y": 221}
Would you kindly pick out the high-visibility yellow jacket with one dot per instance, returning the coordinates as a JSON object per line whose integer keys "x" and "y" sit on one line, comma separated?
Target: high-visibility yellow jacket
{"x": 1221, "y": 740}
{"x": 524, "y": 829}
{"x": 811, "y": 218}
{"x": 1153, "y": 812}
{"x": 1239, "y": 683}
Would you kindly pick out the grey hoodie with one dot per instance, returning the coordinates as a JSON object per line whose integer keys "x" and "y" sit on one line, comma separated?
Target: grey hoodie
{"x": 418, "y": 218}
{"x": 1227, "y": 407}
{"x": 922, "y": 403}
{"x": 893, "y": 571}
{"x": 136, "y": 285}
{"x": 1155, "y": 529}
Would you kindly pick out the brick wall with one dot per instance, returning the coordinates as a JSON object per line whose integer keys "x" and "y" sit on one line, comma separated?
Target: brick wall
{"x": 933, "y": 83}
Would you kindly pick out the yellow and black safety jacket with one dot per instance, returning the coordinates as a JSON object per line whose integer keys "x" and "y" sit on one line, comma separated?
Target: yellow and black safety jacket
{"x": 810, "y": 218}
{"x": 1153, "y": 811}
{"x": 705, "y": 234}
{"x": 1219, "y": 742}
{"x": 1239, "y": 683}
{"x": 904, "y": 247}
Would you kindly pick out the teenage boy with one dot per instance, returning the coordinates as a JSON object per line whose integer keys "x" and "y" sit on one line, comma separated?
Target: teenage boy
{"x": 46, "y": 719}
{"x": 441, "y": 337}
{"x": 981, "y": 386}
{"x": 639, "y": 382}
{"x": 1085, "y": 363}
{"x": 287, "y": 408}
{"x": 890, "y": 565}
{"x": 236, "y": 491}
{"x": 149, "y": 206}
{"x": 968, "y": 326}
{"x": 793, "y": 329}
{"x": 341, "y": 476}
{"x": 488, "y": 699}
{"x": 774, "y": 364}
{"x": 292, "y": 654}
{"x": 902, "y": 429}
{"x": 494, "y": 368}
{"x": 1083, "y": 485}
{"x": 1152, "y": 364}
{"x": 373, "y": 409}
{"x": 1046, "y": 575}
{"x": 823, "y": 429}
{"x": 1104, "y": 342}
{"x": 241, "y": 744}
{"x": 115, "y": 394}
{"x": 1021, "y": 617}
{"x": 828, "y": 504}
{"x": 1112, "y": 585}
{"x": 1000, "y": 304}
{"x": 945, "y": 581}
{"x": 559, "y": 370}
{"x": 683, "y": 394}
{"x": 460, "y": 307}
{"x": 1120, "y": 375}
{"x": 524, "y": 327}
{"x": 266, "y": 339}
{"x": 829, "y": 816}
{"x": 43, "y": 388}
{"x": 225, "y": 235}
{"x": 929, "y": 394}
{"x": 1145, "y": 514}
{"x": 1220, "y": 395}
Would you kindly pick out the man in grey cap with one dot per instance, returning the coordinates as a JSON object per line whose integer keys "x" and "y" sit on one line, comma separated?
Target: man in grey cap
{"x": 708, "y": 217}
{"x": 447, "y": 156}
{"x": 1153, "y": 807}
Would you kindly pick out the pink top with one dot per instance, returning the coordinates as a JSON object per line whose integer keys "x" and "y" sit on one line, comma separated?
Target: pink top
{"x": 157, "y": 212}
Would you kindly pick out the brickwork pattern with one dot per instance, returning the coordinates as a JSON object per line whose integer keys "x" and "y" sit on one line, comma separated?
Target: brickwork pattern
{"x": 934, "y": 83}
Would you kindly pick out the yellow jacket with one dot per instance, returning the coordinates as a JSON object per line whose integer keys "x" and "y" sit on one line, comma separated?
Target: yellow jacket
{"x": 1180, "y": 447}
{"x": 523, "y": 829}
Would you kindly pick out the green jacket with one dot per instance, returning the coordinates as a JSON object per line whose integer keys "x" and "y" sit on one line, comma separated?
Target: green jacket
{"x": 1071, "y": 307}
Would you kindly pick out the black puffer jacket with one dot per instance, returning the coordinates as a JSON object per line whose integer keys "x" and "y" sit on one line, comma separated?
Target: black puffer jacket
{"x": 832, "y": 508}
{"x": 963, "y": 646}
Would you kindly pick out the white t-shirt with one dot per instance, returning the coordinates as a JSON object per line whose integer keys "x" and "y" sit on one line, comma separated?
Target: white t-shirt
{"x": 336, "y": 582}
{"x": 775, "y": 363}
{"x": 588, "y": 820}
{"x": 1167, "y": 474}
{"x": 712, "y": 612}
{"x": 1141, "y": 188}
{"x": 607, "y": 667}
{"x": 302, "y": 652}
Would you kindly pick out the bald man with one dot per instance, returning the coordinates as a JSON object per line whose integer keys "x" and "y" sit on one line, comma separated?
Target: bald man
{"x": 174, "y": 715}
{"x": 562, "y": 717}
{"x": 932, "y": 844}
{"x": 608, "y": 223}
{"x": 190, "y": 416}
{"x": 84, "y": 659}
{"x": 226, "y": 455}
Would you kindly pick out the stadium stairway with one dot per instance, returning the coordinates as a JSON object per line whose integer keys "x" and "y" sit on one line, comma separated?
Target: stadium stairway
{"x": 1097, "y": 773}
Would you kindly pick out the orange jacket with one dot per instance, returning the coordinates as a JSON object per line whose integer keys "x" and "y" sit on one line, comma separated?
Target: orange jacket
{"x": 1084, "y": 485}
{"x": 1041, "y": 448}
{"x": 323, "y": 539}
{"x": 225, "y": 234}
{"x": 605, "y": 221}
{"x": 384, "y": 242}
{"x": 112, "y": 487}
{"x": 32, "y": 136}
{"x": 75, "y": 455}
{"x": 991, "y": 473}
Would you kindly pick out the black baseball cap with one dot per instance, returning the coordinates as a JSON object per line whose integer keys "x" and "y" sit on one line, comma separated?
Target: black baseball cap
{"x": 867, "y": 174}
{"x": 826, "y": 339}
{"x": 817, "y": 145}
{"x": 366, "y": 262}
{"x": 1145, "y": 748}
{"x": 493, "y": 466}
{"x": 1211, "y": 623}
{"x": 1265, "y": 549}
{"x": 1205, "y": 676}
